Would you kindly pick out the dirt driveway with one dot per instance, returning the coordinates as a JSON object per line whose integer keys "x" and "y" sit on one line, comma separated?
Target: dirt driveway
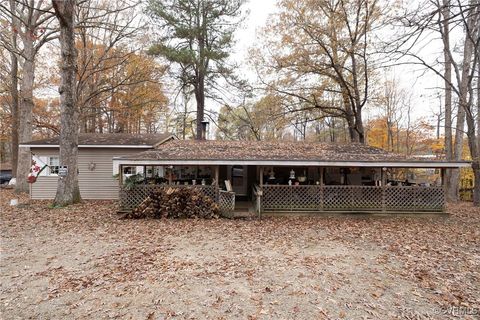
{"x": 82, "y": 262}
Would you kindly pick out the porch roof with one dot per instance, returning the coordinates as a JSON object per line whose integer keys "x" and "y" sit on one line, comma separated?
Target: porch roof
{"x": 220, "y": 152}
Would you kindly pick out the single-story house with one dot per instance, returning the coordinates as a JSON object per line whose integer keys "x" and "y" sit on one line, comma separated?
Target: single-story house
{"x": 97, "y": 177}
{"x": 288, "y": 176}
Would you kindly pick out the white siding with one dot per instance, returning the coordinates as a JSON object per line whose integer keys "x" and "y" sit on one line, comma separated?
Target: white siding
{"x": 94, "y": 184}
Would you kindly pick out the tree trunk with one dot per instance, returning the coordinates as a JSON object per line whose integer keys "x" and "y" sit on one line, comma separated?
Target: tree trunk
{"x": 14, "y": 132}
{"x": 200, "y": 97}
{"x": 474, "y": 143}
{"x": 453, "y": 188}
{"x": 407, "y": 131}
{"x": 478, "y": 98}
{"x": 476, "y": 190}
{"x": 350, "y": 118}
{"x": 14, "y": 94}
{"x": 184, "y": 118}
{"x": 466, "y": 88}
{"x": 464, "y": 106}
{"x": 359, "y": 126}
{"x": 25, "y": 125}
{"x": 448, "y": 96}
{"x": 68, "y": 191}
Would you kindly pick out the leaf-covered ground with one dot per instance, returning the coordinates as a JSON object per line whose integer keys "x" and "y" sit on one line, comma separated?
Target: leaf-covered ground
{"x": 83, "y": 262}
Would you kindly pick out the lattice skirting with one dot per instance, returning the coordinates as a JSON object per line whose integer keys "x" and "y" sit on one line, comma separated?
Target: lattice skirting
{"x": 314, "y": 198}
{"x": 352, "y": 198}
{"x": 226, "y": 201}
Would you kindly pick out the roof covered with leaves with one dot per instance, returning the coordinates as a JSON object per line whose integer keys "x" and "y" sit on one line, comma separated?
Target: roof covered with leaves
{"x": 128, "y": 139}
{"x": 266, "y": 151}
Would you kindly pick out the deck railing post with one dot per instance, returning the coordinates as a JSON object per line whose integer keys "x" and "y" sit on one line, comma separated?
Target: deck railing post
{"x": 290, "y": 197}
{"x": 444, "y": 190}
{"x": 352, "y": 200}
{"x": 415, "y": 196}
{"x": 444, "y": 199}
{"x": 384, "y": 198}
{"x": 320, "y": 195}
{"x": 259, "y": 205}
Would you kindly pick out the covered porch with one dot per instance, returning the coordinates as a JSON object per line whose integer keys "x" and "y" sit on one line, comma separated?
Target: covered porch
{"x": 260, "y": 189}
{"x": 345, "y": 180}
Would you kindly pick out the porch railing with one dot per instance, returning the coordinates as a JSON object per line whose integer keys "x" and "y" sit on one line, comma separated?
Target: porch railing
{"x": 351, "y": 198}
{"x": 311, "y": 198}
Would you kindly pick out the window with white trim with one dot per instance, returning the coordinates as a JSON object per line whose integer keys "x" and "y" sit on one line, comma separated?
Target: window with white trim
{"x": 129, "y": 170}
{"x": 53, "y": 165}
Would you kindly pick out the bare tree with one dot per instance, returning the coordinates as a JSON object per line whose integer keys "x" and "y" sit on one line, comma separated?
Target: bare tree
{"x": 33, "y": 23}
{"x": 105, "y": 31}
{"x": 441, "y": 17}
{"x": 14, "y": 92}
{"x": 323, "y": 50}
{"x": 471, "y": 59}
{"x": 444, "y": 27}
{"x": 391, "y": 102}
{"x": 68, "y": 191}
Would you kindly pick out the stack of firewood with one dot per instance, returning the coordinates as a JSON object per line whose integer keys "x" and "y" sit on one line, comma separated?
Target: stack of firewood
{"x": 176, "y": 203}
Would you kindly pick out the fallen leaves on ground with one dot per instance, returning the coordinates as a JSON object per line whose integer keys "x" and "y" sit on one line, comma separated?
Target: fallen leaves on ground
{"x": 82, "y": 261}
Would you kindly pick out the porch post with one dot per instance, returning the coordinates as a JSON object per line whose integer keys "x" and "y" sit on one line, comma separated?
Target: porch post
{"x": 120, "y": 175}
{"x": 261, "y": 176}
{"x": 217, "y": 175}
{"x": 444, "y": 187}
{"x": 120, "y": 184}
{"x": 384, "y": 191}
{"x": 321, "y": 195}
{"x": 442, "y": 175}
{"x": 260, "y": 193}
{"x": 170, "y": 180}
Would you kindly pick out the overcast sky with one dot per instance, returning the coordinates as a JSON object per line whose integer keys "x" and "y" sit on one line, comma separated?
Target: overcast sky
{"x": 424, "y": 86}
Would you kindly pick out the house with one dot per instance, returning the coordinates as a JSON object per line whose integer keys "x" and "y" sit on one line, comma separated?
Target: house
{"x": 288, "y": 176}
{"x": 96, "y": 174}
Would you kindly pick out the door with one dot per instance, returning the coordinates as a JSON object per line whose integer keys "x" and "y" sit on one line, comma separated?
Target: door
{"x": 238, "y": 176}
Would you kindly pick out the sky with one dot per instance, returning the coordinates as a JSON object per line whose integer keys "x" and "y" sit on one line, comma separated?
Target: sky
{"x": 245, "y": 36}
{"x": 413, "y": 78}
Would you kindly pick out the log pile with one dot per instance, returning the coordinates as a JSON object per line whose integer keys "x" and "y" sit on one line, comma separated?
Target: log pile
{"x": 176, "y": 203}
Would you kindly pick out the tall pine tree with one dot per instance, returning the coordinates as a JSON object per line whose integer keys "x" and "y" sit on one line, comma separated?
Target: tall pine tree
{"x": 197, "y": 36}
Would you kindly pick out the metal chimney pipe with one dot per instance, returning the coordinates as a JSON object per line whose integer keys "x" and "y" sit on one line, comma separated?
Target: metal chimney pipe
{"x": 204, "y": 130}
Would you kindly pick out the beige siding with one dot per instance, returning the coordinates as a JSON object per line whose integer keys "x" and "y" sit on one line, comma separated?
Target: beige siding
{"x": 94, "y": 184}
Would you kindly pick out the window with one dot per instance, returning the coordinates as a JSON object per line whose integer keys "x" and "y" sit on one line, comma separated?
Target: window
{"x": 129, "y": 170}
{"x": 53, "y": 164}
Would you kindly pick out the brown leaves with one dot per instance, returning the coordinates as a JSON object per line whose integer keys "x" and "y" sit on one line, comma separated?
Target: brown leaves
{"x": 349, "y": 267}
